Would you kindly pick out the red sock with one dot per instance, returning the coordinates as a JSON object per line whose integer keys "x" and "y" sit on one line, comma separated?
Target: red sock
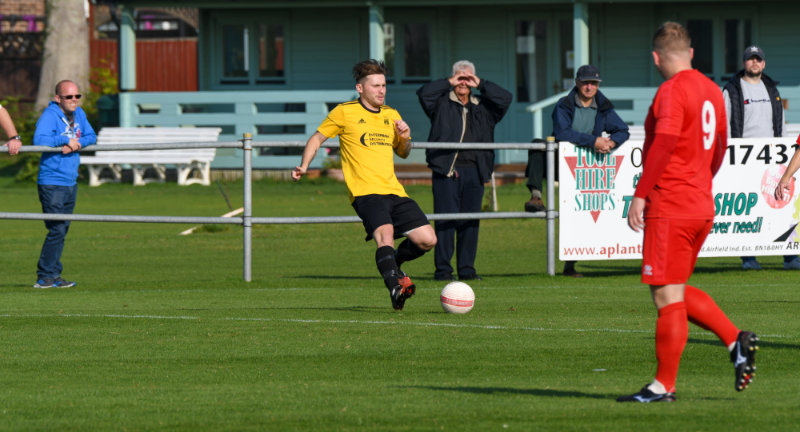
{"x": 704, "y": 312}
{"x": 672, "y": 332}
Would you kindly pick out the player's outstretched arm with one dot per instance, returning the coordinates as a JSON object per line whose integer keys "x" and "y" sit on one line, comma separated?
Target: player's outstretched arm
{"x": 783, "y": 185}
{"x": 13, "y": 144}
{"x": 312, "y": 146}
{"x": 403, "y": 148}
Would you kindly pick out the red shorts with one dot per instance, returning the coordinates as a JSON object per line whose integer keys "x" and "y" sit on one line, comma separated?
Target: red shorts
{"x": 670, "y": 249}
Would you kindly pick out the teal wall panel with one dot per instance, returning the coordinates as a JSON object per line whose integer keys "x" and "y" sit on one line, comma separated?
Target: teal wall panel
{"x": 780, "y": 43}
{"x": 325, "y": 41}
{"x": 622, "y": 43}
{"x": 325, "y": 46}
{"x": 482, "y": 36}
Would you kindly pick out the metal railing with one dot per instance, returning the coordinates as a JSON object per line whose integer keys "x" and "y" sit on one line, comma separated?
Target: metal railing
{"x": 247, "y": 220}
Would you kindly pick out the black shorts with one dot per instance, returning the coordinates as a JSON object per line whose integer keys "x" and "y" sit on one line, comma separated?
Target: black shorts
{"x": 401, "y": 212}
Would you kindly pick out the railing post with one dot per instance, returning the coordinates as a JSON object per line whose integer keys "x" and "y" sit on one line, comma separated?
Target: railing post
{"x": 551, "y": 147}
{"x": 247, "y": 217}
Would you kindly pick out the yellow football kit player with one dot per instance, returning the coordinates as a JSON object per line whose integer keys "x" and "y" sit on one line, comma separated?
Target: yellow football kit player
{"x": 367, "y": 140}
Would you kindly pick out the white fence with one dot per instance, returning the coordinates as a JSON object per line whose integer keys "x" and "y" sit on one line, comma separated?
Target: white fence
{"x": 247, "y": 220}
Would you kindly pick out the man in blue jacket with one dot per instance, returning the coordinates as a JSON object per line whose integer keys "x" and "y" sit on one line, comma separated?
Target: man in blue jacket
{"x": 63, "y": 125}
{"x": 458, "y": 115}
{"x": 582, "y": 117}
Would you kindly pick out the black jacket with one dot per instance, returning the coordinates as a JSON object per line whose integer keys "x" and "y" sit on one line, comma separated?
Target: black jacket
{"x": 734, "y": 88}
{"x": 445, "y": 111}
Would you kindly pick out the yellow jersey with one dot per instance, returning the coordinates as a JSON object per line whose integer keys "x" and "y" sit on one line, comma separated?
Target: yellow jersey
{"x": 367, "y": 141}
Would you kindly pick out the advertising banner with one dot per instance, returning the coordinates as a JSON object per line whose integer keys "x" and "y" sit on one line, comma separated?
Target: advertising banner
{"x": 595, "y": 191}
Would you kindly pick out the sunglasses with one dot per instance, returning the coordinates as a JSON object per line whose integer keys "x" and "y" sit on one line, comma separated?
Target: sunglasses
{"x": 69, "y": 97}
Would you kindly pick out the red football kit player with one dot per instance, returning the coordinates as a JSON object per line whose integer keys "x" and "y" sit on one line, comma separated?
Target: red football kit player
{"x": 685, "y": 142}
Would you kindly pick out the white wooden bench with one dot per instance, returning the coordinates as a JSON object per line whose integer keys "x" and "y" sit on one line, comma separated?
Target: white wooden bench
{"x": 186, "y": 161}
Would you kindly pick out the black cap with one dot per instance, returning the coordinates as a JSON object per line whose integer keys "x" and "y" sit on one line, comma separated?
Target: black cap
{"x": 753, "y": 51}
{"x": 588, "y": 73}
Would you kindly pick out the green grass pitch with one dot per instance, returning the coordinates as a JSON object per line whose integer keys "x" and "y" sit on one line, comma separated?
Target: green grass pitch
{"x": 162, "y": 333}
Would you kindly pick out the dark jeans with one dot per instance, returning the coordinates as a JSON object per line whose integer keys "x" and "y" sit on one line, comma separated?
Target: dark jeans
{"x": 457, "y": 194}
{"x": 55, "y": 199}
{"x": 786, "y": 258}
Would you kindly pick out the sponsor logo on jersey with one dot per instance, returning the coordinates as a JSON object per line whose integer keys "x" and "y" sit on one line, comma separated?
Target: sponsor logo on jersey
{"x": 376, "y": 138}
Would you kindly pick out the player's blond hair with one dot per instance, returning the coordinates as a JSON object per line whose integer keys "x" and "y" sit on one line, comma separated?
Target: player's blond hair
{"x": 671, "y": 37}
{"x": 368, "y": 67}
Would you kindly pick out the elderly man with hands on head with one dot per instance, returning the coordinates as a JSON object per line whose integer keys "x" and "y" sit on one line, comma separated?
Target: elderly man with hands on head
{"x": 459, "y": 175}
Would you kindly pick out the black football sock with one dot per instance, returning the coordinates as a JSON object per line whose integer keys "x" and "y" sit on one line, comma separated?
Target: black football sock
{"x": 408, "y": 251}
{"x": 384, "y": 258}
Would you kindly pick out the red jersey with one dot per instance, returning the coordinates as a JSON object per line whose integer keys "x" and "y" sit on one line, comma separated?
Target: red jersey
{"x": 687, "y": 111}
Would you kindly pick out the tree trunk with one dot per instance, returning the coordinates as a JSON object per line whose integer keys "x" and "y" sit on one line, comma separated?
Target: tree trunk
{"x": 66, "y": 48}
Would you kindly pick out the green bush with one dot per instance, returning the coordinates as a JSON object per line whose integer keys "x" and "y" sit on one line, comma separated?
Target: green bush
{"x": 25, "y": 166}
{"x": 103, "y": 81}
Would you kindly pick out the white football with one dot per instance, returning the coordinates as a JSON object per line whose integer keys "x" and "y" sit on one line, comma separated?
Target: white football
{"x": 457, "y": 298}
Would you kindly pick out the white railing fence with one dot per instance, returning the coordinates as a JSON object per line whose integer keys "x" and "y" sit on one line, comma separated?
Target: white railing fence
{"x": 247, "y": 220}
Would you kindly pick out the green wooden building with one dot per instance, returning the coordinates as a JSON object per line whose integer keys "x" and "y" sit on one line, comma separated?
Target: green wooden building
{"x": 274, "y": 68}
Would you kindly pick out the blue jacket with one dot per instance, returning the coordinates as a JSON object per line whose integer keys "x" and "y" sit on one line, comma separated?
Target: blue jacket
{"x": 52, "y": 130}
{"x": 607, "y": 121}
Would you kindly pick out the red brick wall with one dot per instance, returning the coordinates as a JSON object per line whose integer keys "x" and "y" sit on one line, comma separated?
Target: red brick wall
{"x": 162, "y": 65}
{"x": 22, "y": 8}
{"x": 22, "y": 25}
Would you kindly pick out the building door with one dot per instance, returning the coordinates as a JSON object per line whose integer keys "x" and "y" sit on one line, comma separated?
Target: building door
{"x": 543, "y": 67}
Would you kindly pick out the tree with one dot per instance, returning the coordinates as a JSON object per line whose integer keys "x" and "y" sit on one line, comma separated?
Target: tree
{"x": 66, "y": 47}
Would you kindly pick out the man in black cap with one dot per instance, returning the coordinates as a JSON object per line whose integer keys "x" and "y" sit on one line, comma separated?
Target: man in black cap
{"x": 582, "y": 117}
{"x": 755, "y": 110}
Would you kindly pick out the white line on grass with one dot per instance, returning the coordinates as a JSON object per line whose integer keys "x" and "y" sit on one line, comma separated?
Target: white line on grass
{"x": 74, "y": 315}
{"x": 367, "y": 322}
{"x": 372, "y": 288}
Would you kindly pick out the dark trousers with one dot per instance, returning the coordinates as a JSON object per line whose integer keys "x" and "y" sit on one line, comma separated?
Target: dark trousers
{"x": 537, "y": 168}
{"x": 55, "y": 199}
{"x": 458, "y": 194}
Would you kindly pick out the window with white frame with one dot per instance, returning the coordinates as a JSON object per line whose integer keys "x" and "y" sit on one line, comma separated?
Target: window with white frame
{"x": 407, "y": 51}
